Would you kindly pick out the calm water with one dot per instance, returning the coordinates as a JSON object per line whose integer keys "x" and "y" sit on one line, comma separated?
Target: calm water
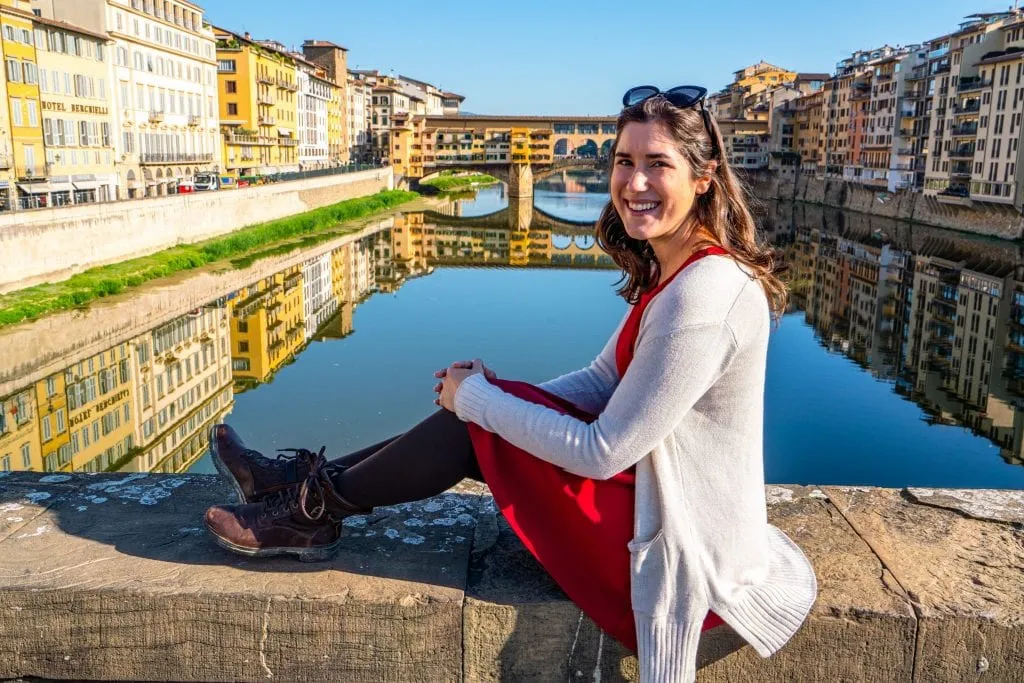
{"x": 900, "y": 363}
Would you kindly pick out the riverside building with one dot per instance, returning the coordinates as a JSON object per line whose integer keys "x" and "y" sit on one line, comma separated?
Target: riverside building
{"x": 164, "y": 87}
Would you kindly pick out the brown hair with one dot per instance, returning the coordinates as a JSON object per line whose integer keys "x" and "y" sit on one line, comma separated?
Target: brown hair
{"x": 722, "y": 210}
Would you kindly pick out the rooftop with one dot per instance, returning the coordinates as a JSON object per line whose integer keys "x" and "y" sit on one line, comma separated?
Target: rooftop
{"x": 322, "y": 43}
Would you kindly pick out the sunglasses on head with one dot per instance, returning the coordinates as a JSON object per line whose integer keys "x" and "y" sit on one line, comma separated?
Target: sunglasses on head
{"x": 681, "y": 96}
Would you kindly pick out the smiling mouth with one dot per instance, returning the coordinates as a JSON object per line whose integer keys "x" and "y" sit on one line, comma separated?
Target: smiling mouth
{"x": 641, "y": 208}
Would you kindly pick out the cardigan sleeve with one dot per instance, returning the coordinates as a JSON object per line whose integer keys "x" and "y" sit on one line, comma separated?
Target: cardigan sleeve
{"x": 592, "y": 386}
{"x": 668, "y": 375}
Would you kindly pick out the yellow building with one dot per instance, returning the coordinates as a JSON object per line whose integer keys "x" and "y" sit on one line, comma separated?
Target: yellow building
{"x": 257, "y": 86}
{"x": 7, "y": 178}
{"x": 19, "y": 435}
{"x": 54, "y": 435}
{"x": 77, "y": 116}
{"x": 408, "y": 134}
{"x": 101, "y": 414}
{"x": 267, "y": 325}
{"x": 808, "y": 123}
{"x": 22, "y": 75}
{"x": 337, "y": 135}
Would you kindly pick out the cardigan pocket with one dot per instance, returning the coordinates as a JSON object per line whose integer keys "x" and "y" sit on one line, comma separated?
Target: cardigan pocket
{"x": 649, "y": 568}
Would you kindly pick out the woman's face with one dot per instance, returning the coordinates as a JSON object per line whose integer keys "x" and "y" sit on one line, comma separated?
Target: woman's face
{"x": 651, "y": 185}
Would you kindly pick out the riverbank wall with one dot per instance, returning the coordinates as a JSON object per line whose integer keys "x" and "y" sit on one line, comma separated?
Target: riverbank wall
{"x": 113, "y": 577}
{"x": 992, "y": 220}
{"x": 34, "y": 350}
{"x": 48, "y": 245}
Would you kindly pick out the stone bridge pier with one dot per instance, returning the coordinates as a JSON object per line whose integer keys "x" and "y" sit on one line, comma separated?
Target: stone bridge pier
{"x": 520, "y": 181}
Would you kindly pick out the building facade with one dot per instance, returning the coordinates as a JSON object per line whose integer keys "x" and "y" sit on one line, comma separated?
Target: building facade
{"x": 21, "y": 71}
{"x": 77, "y": 113}
{"x": 359, "y": 106}
{"x": 333, "y": 59}
{"x": 315, "y": 97}
{"x": 258, "y": 96}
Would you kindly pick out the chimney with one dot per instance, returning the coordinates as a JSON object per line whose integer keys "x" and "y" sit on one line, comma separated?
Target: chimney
{"x": 248, "y": 36}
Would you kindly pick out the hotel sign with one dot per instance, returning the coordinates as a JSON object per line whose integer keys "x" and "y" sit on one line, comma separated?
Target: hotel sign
{"x": 99, "y": 407}
{"x": 74, "y": 108}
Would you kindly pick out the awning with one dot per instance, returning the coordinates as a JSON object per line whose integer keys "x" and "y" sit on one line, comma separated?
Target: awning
{"x": 86, "y": 184}
{"x": 134, "y": 185}
{"x": 35, "y": 188}
{"x": 284, "y": 132}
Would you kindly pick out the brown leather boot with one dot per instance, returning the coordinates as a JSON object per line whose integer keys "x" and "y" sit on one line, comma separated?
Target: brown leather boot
{"x": 303, "y": 519}
{"x": 249, "y": 472}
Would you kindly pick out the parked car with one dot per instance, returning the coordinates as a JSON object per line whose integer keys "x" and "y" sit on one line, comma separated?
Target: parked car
{"x": 186, "y": 186}
{"x": 955, "y": 191}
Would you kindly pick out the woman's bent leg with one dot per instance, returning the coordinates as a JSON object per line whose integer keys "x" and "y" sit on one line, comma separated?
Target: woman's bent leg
{"x": 427, "y": 460}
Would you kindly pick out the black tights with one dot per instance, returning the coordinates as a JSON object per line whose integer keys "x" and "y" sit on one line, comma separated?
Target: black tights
{"x": 427, "y": 460}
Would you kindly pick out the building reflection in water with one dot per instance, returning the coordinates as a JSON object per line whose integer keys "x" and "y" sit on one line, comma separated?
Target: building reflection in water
{"x": 938, "y": 314}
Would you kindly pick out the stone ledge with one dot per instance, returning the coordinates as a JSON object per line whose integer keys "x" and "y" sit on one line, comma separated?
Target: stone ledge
{"x": 111, "y": 577}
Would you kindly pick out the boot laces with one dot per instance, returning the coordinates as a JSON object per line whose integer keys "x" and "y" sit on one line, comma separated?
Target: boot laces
{"x": 299, "y": 497}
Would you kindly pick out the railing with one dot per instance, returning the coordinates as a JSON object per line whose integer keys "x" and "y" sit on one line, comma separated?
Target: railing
{"x": 174, "y": 158}
{"x": 266, "y": 80}
{"x": 266, "y": 120}
{"x": 940, "y": 52}
{"x": 287, "y": 142}
{"x": 265, "y": 99}
{"x": 962, "y": 152}
{"x": 194, "y": 119}
{"x": 969, "y": 131}
{"x": 968, "y": 107}
{"x": 940, "y": 69}
{"x": 969, "y": 84}
{"x": 905, "y": 152}
{"x": 156, "y": 116}
{"x": 960, "y": 170}
{"x": 286, "y": 84}
{"x": 234, "y": 139}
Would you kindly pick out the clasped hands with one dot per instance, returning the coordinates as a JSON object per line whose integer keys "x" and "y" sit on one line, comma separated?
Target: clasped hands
{"x": 451, "y": 377}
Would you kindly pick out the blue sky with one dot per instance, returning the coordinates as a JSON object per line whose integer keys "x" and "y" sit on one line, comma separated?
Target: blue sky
{"x": 559, "y": 57}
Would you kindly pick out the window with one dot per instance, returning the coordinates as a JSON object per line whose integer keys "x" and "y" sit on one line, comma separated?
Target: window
{"x": 33, "y": 113}
{"x": 230, "y": 86}
{"x": 60, "y": 420}
{"x": 26, "y": 457}
{"x": 31, "y": 73}
{"x": 47, "y": 430}
{"x": 16, "y": 117}
{"x": 5, "y": 464}
{"x": 232, "y": 109}
{"x": 226, "y": 66}
{"x": 13, "y": 70}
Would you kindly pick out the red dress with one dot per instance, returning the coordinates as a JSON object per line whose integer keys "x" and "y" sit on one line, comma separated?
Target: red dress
{"x": 577, "y": 528}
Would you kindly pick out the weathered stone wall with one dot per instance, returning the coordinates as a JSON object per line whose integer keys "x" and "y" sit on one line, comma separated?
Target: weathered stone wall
{"x": 54, "y": 244}
{"x": 112, "y": 577}
{"x": 980, "y": 219}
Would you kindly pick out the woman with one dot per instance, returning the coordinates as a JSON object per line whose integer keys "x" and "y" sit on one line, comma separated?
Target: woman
{"x": 638, "y": 481}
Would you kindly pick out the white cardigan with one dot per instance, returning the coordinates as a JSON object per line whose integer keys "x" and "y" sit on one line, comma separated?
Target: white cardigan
{"x": 689, "y": 414}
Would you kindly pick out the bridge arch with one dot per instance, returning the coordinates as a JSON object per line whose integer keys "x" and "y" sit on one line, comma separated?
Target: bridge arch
{"x": 584, "y": 242}
{"x": 561, "y": 147}
{"x": 560, "y": 242}
{"x": 588, "y": 149}
{"x": 606, "y": 148}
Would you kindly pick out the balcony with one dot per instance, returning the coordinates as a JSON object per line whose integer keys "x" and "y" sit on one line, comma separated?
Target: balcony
{"x": 174, "y": 158}
{"x": 962, "y": 152}
{"x": 964, "y": 131}
{"x": 266, "y": 120}
{"x": 285, "y": 84}
{"x": 287, "y": 142}
{"x": 941, "y": 68}
{"x": 940, "y": 52}
{"x": 194, "y": 119}
{"x": 265, "y": 98}
{"x": 971, "y": 84}
{"x": 156, "y": 116}
{"x": 968, "y": 107}
{"x": 960, "y": 171}
{"x": 265, "y": 79}
{"x": 235, "y": 139}
{"x": 905, "y": 152}
{"x": 913, "y": 93}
